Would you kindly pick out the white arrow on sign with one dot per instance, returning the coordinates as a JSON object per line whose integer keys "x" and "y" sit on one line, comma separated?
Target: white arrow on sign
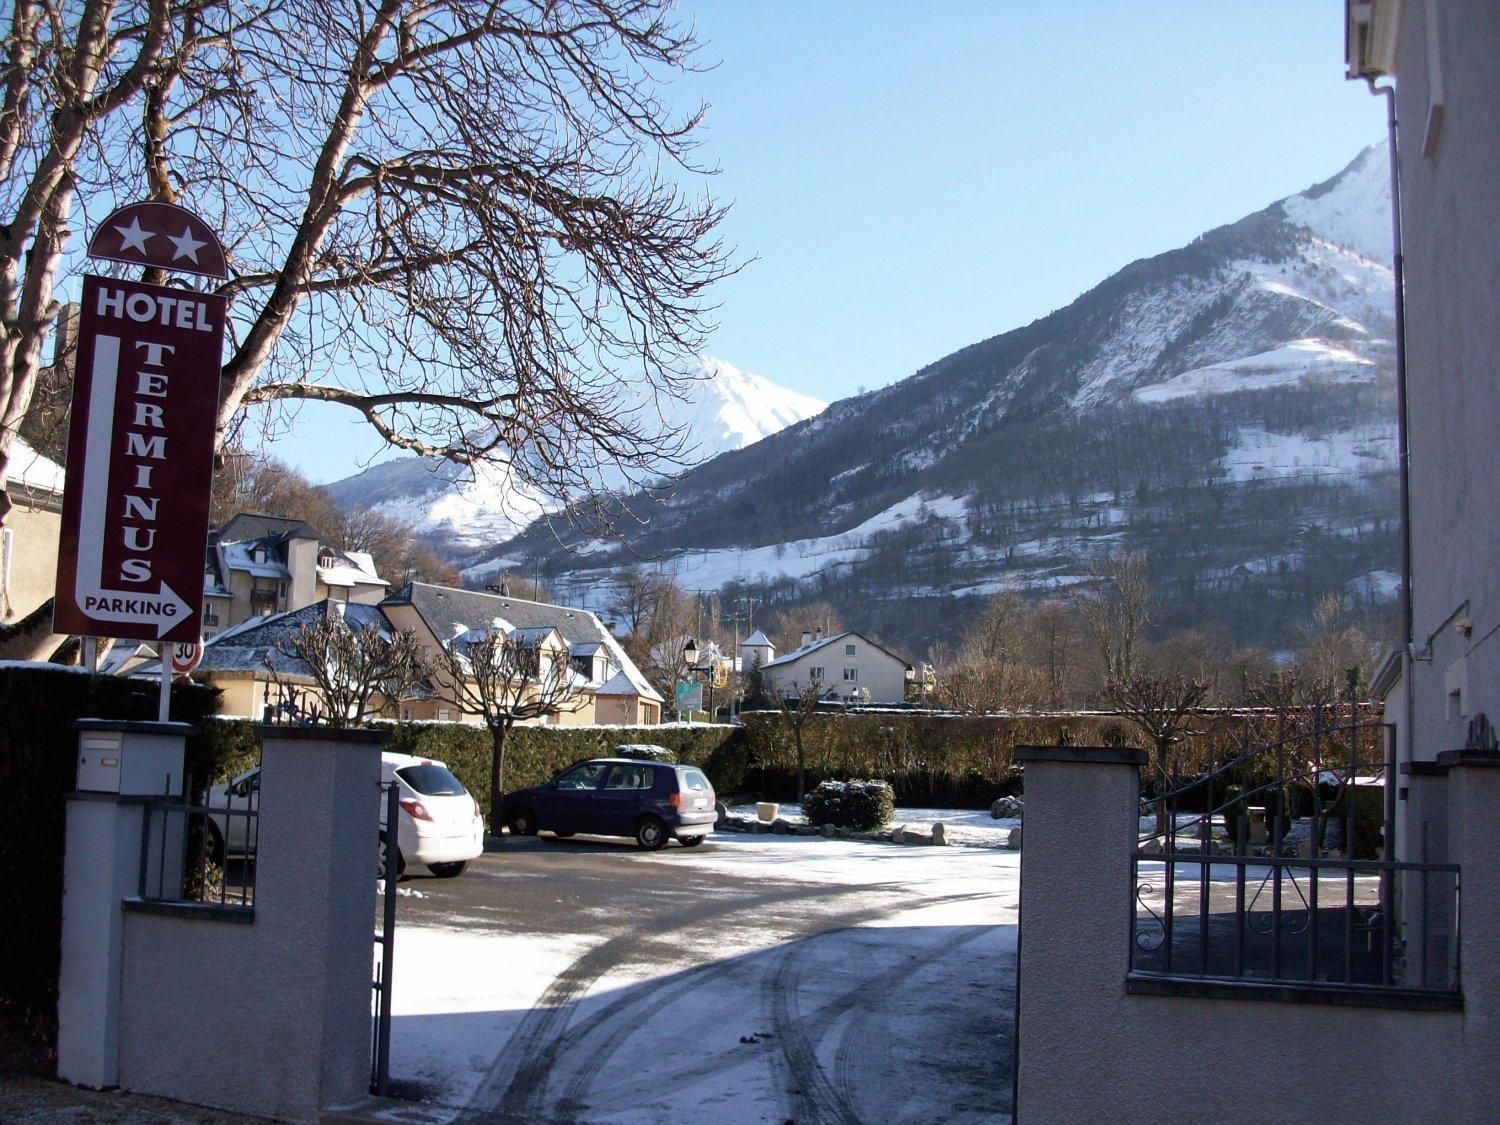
{"x": 163, "y": 607}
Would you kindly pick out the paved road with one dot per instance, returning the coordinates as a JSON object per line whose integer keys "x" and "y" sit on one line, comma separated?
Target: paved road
{"x": 757, "y": 978}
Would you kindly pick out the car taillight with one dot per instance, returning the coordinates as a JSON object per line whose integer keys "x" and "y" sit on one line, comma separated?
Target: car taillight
{"x": 477, "y": 814}
{"x": 416, "y": 809}
{"x": 675, "y": 800}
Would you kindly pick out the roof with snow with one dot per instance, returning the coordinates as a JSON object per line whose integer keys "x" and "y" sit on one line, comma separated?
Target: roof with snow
{"x": 347, "y": 568}
{"x": 257, "y": 645}
{"x": 447, "y": 610}
{"x": 757, "y": 639}
{"x": 817, "y": 646}
{"x": 618, "y": 684}
{"x": 253, "y": 525}
{"x": 30, "y": 473}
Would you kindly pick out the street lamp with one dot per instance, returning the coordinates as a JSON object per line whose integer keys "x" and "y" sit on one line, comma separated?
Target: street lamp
{"x": 690, "y": 658}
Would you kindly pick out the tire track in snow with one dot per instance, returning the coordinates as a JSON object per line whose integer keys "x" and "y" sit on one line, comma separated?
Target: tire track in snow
{"x": 808, "y": 1087}
{"x": 515, "y": 1087}
{"x": 875, "y": 998}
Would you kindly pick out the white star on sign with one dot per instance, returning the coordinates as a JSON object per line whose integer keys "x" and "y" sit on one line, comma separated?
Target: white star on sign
{"x": 187, "y": 245}
{"x": 134, "y": 237}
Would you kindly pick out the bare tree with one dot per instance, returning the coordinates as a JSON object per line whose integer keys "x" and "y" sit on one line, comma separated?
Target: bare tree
{"x": 1163, "y": 706}
{"x": 505, "y": 677}
{"x": 1116, "y": 605}
{"x": 350, "y": 664}
{"x": 659, "y": 616}
{"x": 1054, "y": 643}
{"x": 1334, "y": 643}
{"x": 797, "y": 702}
{"x": 987, "y": 673}
{"x": 464, "y": 222}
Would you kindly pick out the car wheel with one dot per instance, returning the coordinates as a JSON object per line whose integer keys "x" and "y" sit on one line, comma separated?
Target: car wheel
{"x": 400, "y": 861}
{"x": 213, "y": 843}
{"x": 448, "y": 870}
{"x": 521, "y": 822}
{"x": 691, "y": 841}
{"x": 651, "y": 833}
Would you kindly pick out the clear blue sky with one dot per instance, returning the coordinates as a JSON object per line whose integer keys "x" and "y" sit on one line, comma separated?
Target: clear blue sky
{"x": 911, "y": 178}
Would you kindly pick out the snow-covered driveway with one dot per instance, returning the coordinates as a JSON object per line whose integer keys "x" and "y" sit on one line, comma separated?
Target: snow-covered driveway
{"x": 756, "y": 979}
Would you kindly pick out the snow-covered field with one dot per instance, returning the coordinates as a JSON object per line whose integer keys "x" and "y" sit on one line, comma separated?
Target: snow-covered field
{"x": 827, "y": 980}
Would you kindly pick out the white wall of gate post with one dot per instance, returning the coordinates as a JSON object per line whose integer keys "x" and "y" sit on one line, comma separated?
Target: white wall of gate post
{"x": 120, "y": 763}
{"x": 1091, "y": 1051}
{"x": 269, "y": 1015}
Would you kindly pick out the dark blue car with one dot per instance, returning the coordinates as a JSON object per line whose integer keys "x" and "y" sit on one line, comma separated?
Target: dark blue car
{"x": 650, "y": 801}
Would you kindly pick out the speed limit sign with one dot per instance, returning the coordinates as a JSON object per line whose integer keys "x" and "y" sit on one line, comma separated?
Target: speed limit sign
{"x": 185, "y": 656}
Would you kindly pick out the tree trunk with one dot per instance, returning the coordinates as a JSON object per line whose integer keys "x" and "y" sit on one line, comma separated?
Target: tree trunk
{"x": 801, "y": 763}
{"x": 497, "y": 778}
{"x": 1164, "y": 787}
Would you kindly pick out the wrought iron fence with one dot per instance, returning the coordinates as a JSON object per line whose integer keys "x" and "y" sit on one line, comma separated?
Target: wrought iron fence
{"x": 1275, "y": 866}
{"x": 201, "y": 853}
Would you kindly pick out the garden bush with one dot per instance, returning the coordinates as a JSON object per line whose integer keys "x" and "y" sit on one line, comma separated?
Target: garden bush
{"x": 861, "y": 805}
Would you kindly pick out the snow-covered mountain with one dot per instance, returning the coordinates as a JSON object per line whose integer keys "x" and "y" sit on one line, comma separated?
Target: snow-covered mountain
{"x": 1226, "y": 406}
{"x": 724, "y": 408}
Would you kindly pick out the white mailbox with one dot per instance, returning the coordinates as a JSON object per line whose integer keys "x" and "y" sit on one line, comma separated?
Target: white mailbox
{"x": 130, "y": 758}
{"x": 99, "y": 755}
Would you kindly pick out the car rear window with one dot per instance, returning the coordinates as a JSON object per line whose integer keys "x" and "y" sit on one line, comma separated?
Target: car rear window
{"x": 431, "y": 780}
{"x": 629, "y": 777}
{"x": 694, "y": 780}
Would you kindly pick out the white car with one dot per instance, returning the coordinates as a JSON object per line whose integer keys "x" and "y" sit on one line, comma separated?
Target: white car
{"x": 440, "y": 823}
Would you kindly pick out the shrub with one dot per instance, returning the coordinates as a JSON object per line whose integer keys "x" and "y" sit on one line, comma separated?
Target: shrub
{"x": 861, "y": 805}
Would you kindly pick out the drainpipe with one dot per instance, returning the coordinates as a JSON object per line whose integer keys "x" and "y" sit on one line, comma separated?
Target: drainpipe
{"x": 1403, "y": 452}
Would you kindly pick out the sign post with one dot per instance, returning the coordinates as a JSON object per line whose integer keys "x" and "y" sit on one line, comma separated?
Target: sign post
{"x": 141, "y": 437}
{"x": 177, "y": 662}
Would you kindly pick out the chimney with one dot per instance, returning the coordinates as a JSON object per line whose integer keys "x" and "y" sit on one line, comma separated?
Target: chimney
{"x": 818, "y": 634}
{"x": 806, "y": 638}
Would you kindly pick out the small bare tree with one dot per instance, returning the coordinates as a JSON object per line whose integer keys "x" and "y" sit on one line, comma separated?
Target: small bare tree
{"x": 988, "y": 673}
{"x": 1163, "y": 707}
{"x": 350, "y": 664}
{"x": 797, "y": 701}
{"x": 1116, "y": 605}
{"x": 504, "y": 678}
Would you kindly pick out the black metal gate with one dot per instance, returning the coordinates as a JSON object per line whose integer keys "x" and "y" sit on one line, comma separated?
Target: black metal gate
{"x": 1271, "y": 863}
{"x": 385, "y": 941}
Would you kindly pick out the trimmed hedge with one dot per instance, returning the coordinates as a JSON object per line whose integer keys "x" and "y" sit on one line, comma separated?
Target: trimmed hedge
{"x": 38, "y": 756}
{"x": 861, "y": 805}
{"x": 930, "y": 759}
{"x": 535, "y": 753}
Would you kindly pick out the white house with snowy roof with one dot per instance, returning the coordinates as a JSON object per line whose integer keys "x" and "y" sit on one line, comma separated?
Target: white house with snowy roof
{"x": 848, "y": 666}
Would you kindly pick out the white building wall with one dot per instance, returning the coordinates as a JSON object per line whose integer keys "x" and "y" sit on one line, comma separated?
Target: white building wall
{"x": 875, "y": 670}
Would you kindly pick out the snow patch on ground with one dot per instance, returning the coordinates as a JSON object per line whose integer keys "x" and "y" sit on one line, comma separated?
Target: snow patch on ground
{"x": 1261, "y": 455}
{"x": 924, "y": 949}
{"x": 1289, "y": 364}
{"x": 796, "y": 559}
{"x": 963, "y": 826}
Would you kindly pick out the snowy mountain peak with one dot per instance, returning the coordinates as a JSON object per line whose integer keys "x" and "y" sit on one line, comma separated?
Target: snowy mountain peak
{"x": 722, "y": 408}
{"x": 730, "y": 408}
{"x": 1353, "y": 208}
